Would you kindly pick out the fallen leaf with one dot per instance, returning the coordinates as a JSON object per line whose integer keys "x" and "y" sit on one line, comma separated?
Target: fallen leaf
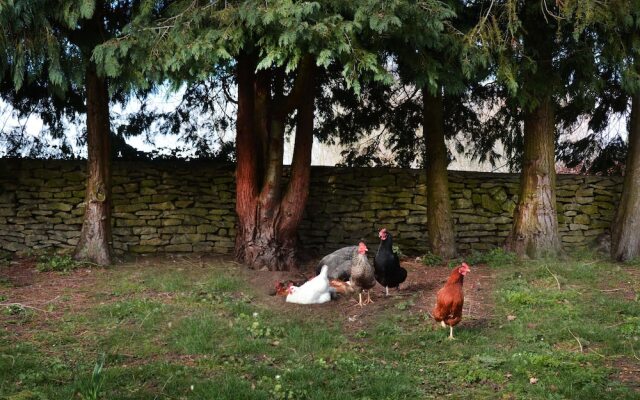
{"x": 533, "y": 381}
{"x": 511, "y": 317}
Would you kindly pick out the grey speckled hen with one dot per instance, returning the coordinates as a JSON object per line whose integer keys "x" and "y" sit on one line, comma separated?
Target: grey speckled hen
{"x": 339, "y": 263}
{"x": 362, "y": 274}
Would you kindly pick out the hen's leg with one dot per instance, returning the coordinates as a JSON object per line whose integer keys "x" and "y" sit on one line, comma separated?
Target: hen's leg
{"x": 386, "y": 289}
{"x": 443, "y": 324}
{"x": 360, "y": 299}
{"x": 451, "y": 332}
{"x": 368, "y": 300}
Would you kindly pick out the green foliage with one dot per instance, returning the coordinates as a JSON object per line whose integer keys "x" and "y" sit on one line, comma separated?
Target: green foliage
{"x": 92, "y": 388}
{"x": 281, "y": 32}
{"x": 15, "y": 309}
{"x": 431, "y": 259}
{"x": 396, "y": 250}
{"x": 57, "y": 263}
{"x": 497, "y": 257}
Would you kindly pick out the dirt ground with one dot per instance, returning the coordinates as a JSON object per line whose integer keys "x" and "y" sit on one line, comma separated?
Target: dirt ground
{"x": 418, "y": 292}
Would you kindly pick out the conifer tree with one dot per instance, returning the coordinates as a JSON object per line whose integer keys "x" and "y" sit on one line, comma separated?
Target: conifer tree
{"x": 48, "y": 48}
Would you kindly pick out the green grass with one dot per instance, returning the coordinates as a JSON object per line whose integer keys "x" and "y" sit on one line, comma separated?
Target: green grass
{"x": 187, "y": 333}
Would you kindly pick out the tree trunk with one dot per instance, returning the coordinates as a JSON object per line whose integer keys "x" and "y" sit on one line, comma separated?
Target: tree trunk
{"x": 439, "y": 220}
{"x": 535, "y": 220}
{"x": 94, "y": 244}
{"x": 625, "y": 240}
{"x": 267, "y": 219}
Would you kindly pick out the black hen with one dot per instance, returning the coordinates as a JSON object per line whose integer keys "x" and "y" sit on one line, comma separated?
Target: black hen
{"x": 389, "y": 273}
{"x": 339, "y": 263}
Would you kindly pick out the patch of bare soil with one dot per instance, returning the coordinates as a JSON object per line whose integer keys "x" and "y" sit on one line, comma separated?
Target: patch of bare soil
{"x": 628, "y": 368}
{"x": 46, "y": 295}
{"x": 628, "y": 372}
{"x": 629, "y": 289}
{"x": 417, "y": 293}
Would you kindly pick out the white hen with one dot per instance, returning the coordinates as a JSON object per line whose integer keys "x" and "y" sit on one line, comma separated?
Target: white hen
{"x": 314, "y": 291}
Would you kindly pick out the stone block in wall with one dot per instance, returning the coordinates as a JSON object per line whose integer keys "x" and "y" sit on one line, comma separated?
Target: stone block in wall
{"x": 419, "y": 220}
{"x": 476, "y": 227}
{"x": 187, "y": 238}
{"x": 563, "y": 194}
{"x": 593, "y": 232}
{"x": 148, "y": 214}
{"x": 582, "y": 219}
{"x": 153, "y": 242}
{"x": 501, "y": 220}
{"x": 599, "y": 223}
{"x": 385, "y": 214}
{"x": 206, "y": 228}
{"x": 185, "y": 247}
{"x": 572, "y": 238}
{"x": 124, "y": 215}
{"x": 488, "y": 203}
{"x": 129, "y": 222}
{"x": 588, "y": 209}
{"x": 167, "y": 205}
{"x": 144, "y": 230}
{"x": 499, "y": 194}
{"x": 141, "y": 249}
{"x": 606, "y": 213}
{"x": 474, "y": 219}
{"x": 55, "y": 206}
{"x": 164, "y": 198}
{"x": 604, "y": 205}
{"x": 576, "y": 227}
{"x": 7, "y": 212}
{"x": 171, "y": 222}
{"x": 218, "y": 213}
{"x": 177, "y": 229}
{"x": 130, "y": 208}
{"x": 463, "y": 203}
{"x": 183, "y": 203}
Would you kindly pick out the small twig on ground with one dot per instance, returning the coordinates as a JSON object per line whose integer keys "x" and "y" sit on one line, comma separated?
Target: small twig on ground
{"x": 578, "y": 340}
{"x": 13, "y": 359}
{"x": 634, "y": 353}
{"x": 554, "y": 277}
{"x": 22, "y": 305}
{"x": 590, "y": 349}
{"x": 609, "y": 290}
{"x": 164, "y": 386}
{"x": 52, "y": 300}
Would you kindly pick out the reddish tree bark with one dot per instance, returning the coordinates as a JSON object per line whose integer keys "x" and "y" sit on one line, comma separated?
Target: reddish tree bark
{"x": 625, "y": 240}
{"x": 439, "y": 219}
{"x": 94, "y": 244}
{"x": 268, "y": 216}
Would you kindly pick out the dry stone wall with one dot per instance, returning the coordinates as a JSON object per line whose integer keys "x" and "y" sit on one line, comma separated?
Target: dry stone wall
{"x": 348, "y": 203}
{"x": 189, "y": 207}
